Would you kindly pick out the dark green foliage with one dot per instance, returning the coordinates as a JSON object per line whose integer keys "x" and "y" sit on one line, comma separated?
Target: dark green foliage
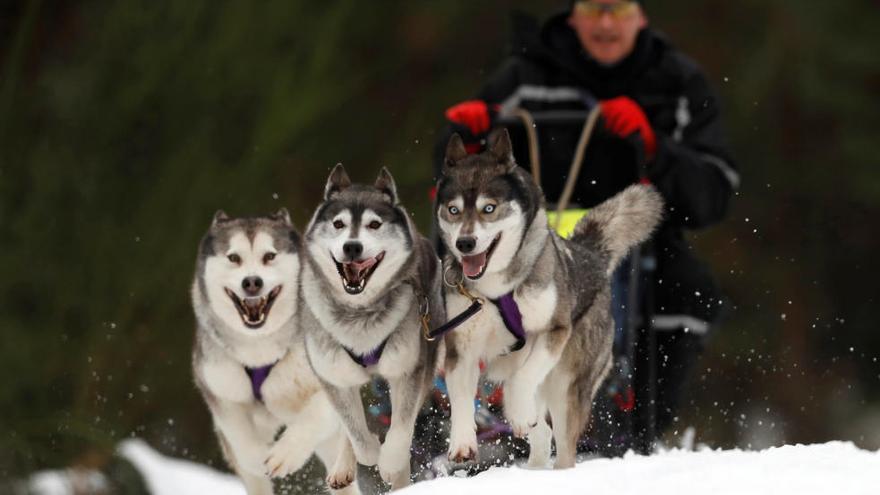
{"x": 124, "y": 126}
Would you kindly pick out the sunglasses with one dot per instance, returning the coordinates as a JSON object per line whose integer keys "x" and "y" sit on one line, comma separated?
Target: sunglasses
{"x": 617, "y": 10}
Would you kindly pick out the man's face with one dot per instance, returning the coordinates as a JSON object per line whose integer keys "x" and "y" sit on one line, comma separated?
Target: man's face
{"x": 607, "y": 29}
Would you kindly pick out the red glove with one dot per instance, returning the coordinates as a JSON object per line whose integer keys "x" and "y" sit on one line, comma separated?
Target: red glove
{"x": 473, "y": 114}
{"x": 623, "y": 117}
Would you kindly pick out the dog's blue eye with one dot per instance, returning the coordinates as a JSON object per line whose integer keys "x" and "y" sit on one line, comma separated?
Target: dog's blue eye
{"x": 453, "y": 210}
{"x": 488, "y": 208}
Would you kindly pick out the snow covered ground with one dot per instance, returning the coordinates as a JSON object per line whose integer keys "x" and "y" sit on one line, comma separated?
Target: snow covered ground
{"x": 831, "y": 468}
{"x": 167, "y": 476}
{"x": 162, "y": 475}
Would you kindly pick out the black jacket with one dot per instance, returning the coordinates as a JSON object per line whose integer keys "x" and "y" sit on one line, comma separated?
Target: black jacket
{"x": 548, "y": 69}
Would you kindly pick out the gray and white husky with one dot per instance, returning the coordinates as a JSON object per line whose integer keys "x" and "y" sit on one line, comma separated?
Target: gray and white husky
{"x": 368, "y": 280}
{"x": 551, "y": 297}
{"x": 249, "y": 358}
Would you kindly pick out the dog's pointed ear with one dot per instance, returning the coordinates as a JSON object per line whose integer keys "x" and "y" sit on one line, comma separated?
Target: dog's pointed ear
{"x": 385, "y": 184}
{"x": 282, "y": 215}
{"x": 455, "y": 151}
{"x": 502, "y": 148}
{"x": 219, "y": 217}
{"x": 337, "y": 181}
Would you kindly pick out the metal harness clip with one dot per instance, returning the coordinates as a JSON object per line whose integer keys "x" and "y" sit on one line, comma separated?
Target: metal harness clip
{"x": 466, "y": 293}
{"x": 425, "y": 317}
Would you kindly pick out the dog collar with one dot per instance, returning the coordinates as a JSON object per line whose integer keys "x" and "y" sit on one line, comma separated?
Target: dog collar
{"x": 258, "y": 376}
{"x": 369, "y": 359}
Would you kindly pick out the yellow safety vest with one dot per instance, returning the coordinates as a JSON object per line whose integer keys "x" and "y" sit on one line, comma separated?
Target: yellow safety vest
{"x": 567, "y": 221}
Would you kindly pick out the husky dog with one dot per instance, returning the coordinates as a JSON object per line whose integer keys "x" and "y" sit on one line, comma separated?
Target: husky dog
{"x": 249, "y": 359}
{"x": 369, "y": 282}
{"x": 551, "y": 297}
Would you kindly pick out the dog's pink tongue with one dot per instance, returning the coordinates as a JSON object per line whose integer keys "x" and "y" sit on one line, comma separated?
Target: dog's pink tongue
{"x": 355, "y": 270}
{"x": 253, "y": 306}
{"x": 473, "y": 265}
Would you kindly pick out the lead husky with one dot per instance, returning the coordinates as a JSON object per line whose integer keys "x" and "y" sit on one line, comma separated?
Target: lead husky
{"x": 551, "y": 297}
{"x": 368, "y": 281}
{"x": 249, "y": 360}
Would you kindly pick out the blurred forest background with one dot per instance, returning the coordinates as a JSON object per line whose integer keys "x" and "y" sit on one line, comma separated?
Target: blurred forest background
{"x": 124, "y": 125}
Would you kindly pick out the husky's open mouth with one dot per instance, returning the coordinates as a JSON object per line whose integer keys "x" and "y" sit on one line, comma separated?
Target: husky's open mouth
{"x": 475, "y": 265}
{"x": 355, "y": 274}
{"x": 254, "y": 310}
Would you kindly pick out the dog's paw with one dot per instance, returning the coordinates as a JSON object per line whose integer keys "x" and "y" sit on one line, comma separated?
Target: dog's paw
{"x": 285, "y": 458}
{"x": 338, "y": 480}
{"x": 463, "y": 443}
{"x": 368, "y": 452}
{"x": 519, "y": 408}
{"x": 463, "y": 453}
{"x": 249, "y": 458}
{"x": 538, "y": 464}
{"x": 463, "y": 447}
{"x": 342, "y": 473}
{"x": 540, "y": 439}
{"x": 254, "y": 468}
{"x": 520, "y": 429}
{"x": 393, "y": 462}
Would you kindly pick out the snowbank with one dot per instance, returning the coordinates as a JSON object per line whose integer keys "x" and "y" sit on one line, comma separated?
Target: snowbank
{"x": 831, "y": 468}
{"x": 167, "y": 476}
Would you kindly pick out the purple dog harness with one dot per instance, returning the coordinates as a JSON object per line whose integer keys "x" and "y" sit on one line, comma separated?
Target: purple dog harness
{"x": 258, "y": 376}
{"x": 369, "y": 359}
{"x": 507, "y": 307}
{"x": 512, "y": 319}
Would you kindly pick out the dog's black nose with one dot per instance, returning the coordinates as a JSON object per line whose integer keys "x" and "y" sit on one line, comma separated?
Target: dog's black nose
{"x": 252, "y": 285}
{"x": 353, "y": 250}
{"x": 466, "y": 244}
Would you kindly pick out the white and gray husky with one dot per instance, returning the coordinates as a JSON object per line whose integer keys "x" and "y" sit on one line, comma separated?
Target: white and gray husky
{"x": 249, "y": 359}
{"x": 545, "y": 328}
{"x": 369, "y": 282}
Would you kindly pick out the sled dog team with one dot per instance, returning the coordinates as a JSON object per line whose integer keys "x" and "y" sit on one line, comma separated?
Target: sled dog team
{"x": 290, "y": 326}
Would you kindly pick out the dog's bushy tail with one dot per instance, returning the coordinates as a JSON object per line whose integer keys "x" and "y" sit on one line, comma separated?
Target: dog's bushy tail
{"x": 621, "y": 222}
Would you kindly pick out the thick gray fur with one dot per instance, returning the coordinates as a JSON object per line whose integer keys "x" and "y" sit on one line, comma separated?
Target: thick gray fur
{"x": 224, "y": 347}
{"x": 388, "y": 310}
{"x": 562, "y": 287}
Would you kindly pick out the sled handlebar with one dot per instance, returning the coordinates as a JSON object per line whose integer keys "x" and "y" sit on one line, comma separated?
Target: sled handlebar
{"x": 560, "y": 117}
{"x": 548, "y": 117}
